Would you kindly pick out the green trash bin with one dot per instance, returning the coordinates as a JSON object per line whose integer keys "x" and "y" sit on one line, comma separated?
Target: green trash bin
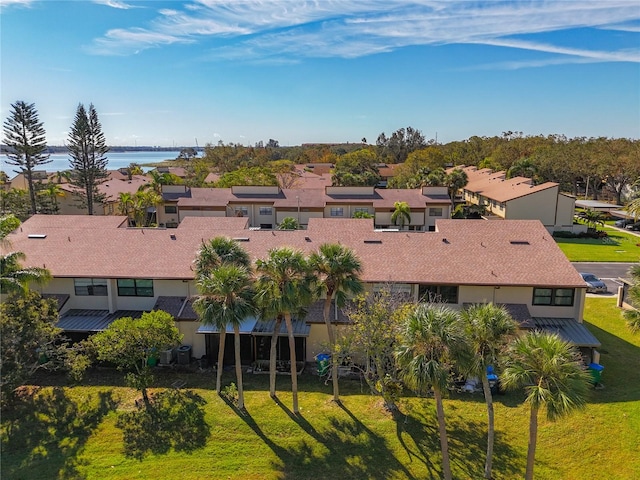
{"x": 596, "y": 372}
{"x": 324, "y": 362}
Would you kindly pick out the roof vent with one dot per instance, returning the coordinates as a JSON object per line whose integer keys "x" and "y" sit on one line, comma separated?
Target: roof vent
{"x": 307, "y": 239}
{"x": 241, "y": 239}
{"x": 172, "y": 237}
{"x": 444, "y": 240}
{"x": 37, "y": 235}
{"x": 519, "y": 242}
{"x": 373, "y": 241}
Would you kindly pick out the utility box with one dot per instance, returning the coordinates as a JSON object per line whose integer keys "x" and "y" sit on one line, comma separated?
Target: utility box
{"x": 184, "y": 354}
{"x": 167, "y": 356}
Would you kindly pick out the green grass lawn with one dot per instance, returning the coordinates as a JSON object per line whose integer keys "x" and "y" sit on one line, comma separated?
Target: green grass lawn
{"x": 617, "y": 247}
{"x": 71, "y": 432}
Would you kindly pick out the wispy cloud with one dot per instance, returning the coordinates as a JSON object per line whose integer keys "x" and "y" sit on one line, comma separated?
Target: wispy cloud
{"x": 15, "y": 3}
{"x": 284, "y": 31}
{"x": 114, "y": 4}
{"x": 132, "y": 41}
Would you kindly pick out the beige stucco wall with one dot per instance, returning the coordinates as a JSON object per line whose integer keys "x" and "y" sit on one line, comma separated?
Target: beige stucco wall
{"x": 112, "y": 301}
{"x": 190, "y": 337}
{"x": 535, "y": 206}
{"x": 348, "y": 209}
{"x": 200, "y": 213}
{"x": 305, "y": 215}
{"x": 384, "y": 218}
{"x": 430, "y": 220}
{"x": 564, "y": 213}
{"x": 521, "y": 295}
{"x": 318, "y": 339}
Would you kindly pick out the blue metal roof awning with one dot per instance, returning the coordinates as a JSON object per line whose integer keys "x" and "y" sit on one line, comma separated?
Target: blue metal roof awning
{"x": 245, "y": 327}
{"x": 568, "y": 329}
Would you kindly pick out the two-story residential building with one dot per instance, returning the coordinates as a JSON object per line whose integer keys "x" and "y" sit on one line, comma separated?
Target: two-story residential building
{"x": 518, "y": 198}
{"x": 103, "y": 270}
{"x": 266, "y": 206}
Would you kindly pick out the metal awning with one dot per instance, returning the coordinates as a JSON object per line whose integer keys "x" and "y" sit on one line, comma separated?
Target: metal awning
{"x": 246, "y": 327}
{"x": 266, "y": 327}
{"x": 568, "y": 329}
{"x": 92, "y": 320}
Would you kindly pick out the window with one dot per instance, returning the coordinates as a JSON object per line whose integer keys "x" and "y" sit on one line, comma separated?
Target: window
{"x": 266, "y": 211}
{"x": 170, "y": 209}
{"x": 135, "y": 287}
{"x": 560, "y": 297}
{"x": 361, "y": 210}
{"x": 242, "y": 211}
{"x": 337, "y": 211}
{"x": 90, "y": 286}
{"x": 435, "y": 212}
{"x": 443, "y": 293}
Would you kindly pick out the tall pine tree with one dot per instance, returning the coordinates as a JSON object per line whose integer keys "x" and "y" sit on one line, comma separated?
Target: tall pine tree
{"x": 87, "y": 148}
{"x": 24, "y": 135}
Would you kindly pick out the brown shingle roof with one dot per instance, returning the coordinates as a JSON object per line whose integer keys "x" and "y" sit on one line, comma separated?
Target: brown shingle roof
{"x": 495, "y": 185}
{"x": 461, "y": 252}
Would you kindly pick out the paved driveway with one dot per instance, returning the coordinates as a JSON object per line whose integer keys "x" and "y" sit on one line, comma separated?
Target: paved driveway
{"x": 609, "y": 272}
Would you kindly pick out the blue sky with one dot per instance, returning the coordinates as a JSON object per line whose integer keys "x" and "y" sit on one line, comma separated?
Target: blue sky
{"x": 176, "y": 72}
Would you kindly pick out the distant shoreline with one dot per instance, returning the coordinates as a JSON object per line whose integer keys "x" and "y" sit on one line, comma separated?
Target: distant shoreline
{"x": 117, "y": 149}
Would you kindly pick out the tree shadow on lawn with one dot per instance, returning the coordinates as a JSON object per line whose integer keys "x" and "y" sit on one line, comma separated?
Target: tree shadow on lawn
{"x": 467, "y": 441}
{"x": 46, "y": 430}
{"x": 174, "y": 419}
{"x": 352, "y": 450}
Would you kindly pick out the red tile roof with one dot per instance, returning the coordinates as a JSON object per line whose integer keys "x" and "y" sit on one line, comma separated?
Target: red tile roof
{"x": 461, "y": 252}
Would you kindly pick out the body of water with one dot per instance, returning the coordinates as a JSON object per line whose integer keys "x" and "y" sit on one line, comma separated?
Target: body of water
{"x": 60, "y": 161}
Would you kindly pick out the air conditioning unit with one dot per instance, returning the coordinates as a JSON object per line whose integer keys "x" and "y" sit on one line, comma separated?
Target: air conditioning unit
{"x": 167, "y": 356}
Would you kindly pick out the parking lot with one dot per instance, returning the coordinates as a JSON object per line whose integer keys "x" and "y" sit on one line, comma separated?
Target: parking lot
{"x": 609, "y": 273}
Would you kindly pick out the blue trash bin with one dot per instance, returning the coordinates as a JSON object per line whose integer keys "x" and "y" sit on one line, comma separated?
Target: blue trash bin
{"x": 324, "y": 362}
{"x": 595, "y": 369}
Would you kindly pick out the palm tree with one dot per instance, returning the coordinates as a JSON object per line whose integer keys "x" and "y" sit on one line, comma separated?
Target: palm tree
{"x": 454, "y": 181}
{"x": 433, "y": 339}
{"x": 593, "y": 218}
{"x": 220, "y": 249}
{"x": 14, "y": 278}
{"x": 553, "y": 377}
{"x": 488, "y": 328}
{"x": 289, "y": 223}
{"x": 126, "y": 202}
{"x": 226, "y": 298}
{"x": 134, "y": 169}
{"x": 218, "y": 252}
{"x": 633, "y": 207}
{"x": 338, "y": 272}
{"x": 633, "y": 316}
{"x": 401, "y": 214}
{"x": 53, "y": 191}
{"x": 142, "y": 201}
{"x": 158, "y": 180}
{"x": 283, "y": 287}
{"x": 524, "y": 167}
